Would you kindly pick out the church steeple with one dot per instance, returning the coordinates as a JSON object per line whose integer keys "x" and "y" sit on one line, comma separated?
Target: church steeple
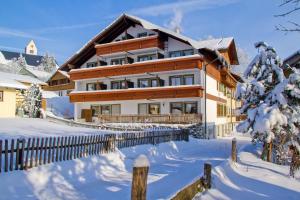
{"x": 31, "y": 48}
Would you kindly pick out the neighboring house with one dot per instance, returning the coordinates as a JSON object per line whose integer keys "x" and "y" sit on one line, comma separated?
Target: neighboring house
{"x": 12, "y": 89}
{"x": 135, "y": 71}
{"x": 60, "y": 83}
{"x": 293, "y": 61}
{"x": 27, "y": 63}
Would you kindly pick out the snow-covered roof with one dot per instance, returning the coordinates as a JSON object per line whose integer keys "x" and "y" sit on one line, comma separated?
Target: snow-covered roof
{"x": 210, "y": 45}
{"x": 11, "y": 83}
{"x": 10, "y": 78}
{"x": 216, "y": 43}
{"x": 41, "y": 74}
{"x": 64, "y": 73}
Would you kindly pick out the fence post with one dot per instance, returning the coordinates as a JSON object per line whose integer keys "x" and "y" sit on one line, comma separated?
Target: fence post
{"x": 233, "y": 150}
{"x": 269, "y": 153}
{"x": 139, "y": 178}
{"x": 207, "y": 175}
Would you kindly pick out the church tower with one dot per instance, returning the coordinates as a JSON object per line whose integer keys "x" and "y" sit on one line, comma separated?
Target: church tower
{"x": 31, "y": 48}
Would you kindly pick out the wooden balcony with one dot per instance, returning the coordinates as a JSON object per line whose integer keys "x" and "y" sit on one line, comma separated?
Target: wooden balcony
{"x": 160, "y": 65}
{"x": 228, "y": 79}
{"x": 165, "y": 119}
{"x": 240, "y": 117}
{"x": 129, "y": 45}
{"x": 137, "y": 93}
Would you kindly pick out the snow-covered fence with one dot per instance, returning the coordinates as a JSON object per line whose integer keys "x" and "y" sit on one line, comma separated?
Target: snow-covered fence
{"x": 27, "y": 153}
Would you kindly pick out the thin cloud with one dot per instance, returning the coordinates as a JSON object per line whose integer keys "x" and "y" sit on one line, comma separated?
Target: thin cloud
{"x": 6, "y": 32}
{"x": 63, "y": 28}
{"x": 185, "y": 6}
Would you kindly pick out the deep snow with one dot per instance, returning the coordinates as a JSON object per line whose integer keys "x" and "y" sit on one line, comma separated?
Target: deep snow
{"x": 251, "y": 178}
{"x": 173, "y": 165}
{"x": 28, "y": 127}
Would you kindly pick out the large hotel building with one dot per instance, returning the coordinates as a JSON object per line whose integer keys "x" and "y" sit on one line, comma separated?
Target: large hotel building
{"x": 135, "y": 71}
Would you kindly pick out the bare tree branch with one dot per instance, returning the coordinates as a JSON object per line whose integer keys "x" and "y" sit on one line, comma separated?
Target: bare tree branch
{"x": 288, "y": 12}
{"x": 296, "y": 7}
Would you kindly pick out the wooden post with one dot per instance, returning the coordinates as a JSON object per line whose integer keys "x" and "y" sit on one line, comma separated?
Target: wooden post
{"x": 233, "y": 150}
{"x": 139, "y": 178}
{"x": 269, "y": 153}
{"x": 207, "y": 175}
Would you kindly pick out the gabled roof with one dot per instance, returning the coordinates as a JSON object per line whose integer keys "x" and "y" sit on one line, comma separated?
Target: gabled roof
{"x": 64, "y": 73}
{"x": 120, "y": 25}
{"x": 33, "y": 60}
{"x": 293, "y": 59}
{"x": 216, "y": 43}
{"x": 16, "y": 81}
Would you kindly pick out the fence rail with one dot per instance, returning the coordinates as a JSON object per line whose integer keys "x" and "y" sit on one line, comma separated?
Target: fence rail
{"x": 22, "y": 154}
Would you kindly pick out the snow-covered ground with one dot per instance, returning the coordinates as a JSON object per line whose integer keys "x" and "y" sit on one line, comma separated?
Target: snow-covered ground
{"x": 173, "y": 165}
{"x": 26, "y": 127}
{"x": 251, "y": 179}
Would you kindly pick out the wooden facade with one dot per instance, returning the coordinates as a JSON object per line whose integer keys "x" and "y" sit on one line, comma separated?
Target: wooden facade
{"x": 129, "y": 45}
{"x": 59, "y": 81}
{"x": 138, "y": 68}
{"x": 134, "y": 94}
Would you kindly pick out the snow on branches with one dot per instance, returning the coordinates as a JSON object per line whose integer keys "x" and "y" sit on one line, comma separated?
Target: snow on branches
{"x": 33, "y": 101}
{"x": 270, "y": 100}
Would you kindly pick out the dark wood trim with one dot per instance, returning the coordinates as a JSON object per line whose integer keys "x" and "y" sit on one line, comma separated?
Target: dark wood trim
{"x": 159, "y": 65}
{"x": 215, "y": 98}
{"x": 135, "y": 94}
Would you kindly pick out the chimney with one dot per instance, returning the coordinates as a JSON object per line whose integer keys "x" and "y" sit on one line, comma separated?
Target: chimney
{"x": 177, "y": 29}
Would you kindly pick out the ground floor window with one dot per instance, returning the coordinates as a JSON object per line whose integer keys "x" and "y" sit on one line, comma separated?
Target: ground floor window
{"x": 149, "y": 108}
{"x": 183, "y": 108}
{"x": 221, "y": 110}
{"x": 1, "y": 95}
{"x": 109, "y": 109}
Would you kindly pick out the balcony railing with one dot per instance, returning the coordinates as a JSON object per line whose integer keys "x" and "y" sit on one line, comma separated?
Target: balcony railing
{"x": 138, "y": 93}
{"x": 129, "y": 45}
{"x": 160, "y": 65}
{"x": 166, "y": 119}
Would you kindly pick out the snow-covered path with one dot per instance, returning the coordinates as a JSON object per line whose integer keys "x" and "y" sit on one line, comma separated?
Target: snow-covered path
{"x": 172, "y": 166}
{"x": 26, "y": 127}
{"x": 251, "y": 179}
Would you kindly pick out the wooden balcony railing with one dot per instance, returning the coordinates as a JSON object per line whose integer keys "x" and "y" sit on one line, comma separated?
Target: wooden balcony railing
{"x": 160, "y": 65}
{"x": 137, "y": 93}
{"x": 130, "y": 44}
{"x": 166, "y": 119}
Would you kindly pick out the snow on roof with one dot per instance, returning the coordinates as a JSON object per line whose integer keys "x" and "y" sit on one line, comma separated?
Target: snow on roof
{"x": 43, "y": 75}
{"x": 13, "y": 78}
{"x": 10, "y": 83}
{"x": 48, "y": 94}
{"x": 64, "y": 73}
{"x": 216, "y": 43}
{"x": 291, "y": 56}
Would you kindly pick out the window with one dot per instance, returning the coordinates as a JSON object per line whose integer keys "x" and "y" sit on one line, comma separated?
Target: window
{"x": 221, "y": 88}
{"x": 116, "y": 109}
{"x": 221, "y": 110}
{"x": 95, "y": 110}
{"x": 118, "y": 61}
{"x": 188, "y": 79}
{"x": 150, "y": 82}
{"x": 143, "y": 83}
{"x": 144, "y": 34}
{"x": 146, "y": 57}
{"x": 91, "y": 64}
{"x": 181, "y": 53}
{"x": 176, "y": 108}
{"x": 1, "y": 95}
{"x": 191, "y": 108}
{"x": 184, "y": 108}
{"x": 182, "y": 80}
{"x": 105, "y": 109}
{"x": 91, "y": 86}
{"x": 175, "y": 80}
{"x": 60, "y": 93}
{"x": 124, "y": 84}
{"x": 149, "y": 108}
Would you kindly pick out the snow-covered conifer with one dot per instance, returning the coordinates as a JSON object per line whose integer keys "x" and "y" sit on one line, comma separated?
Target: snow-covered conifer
{"x": 33, "y": 101}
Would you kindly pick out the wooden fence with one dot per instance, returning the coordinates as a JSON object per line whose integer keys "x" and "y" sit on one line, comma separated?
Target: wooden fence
{"x": 22, "y": 154}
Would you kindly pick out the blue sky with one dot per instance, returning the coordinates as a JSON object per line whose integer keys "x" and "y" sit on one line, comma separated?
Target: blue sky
{"x": 61, "y": 27}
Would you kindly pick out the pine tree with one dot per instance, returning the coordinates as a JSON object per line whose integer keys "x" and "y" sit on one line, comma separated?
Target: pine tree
{"x": 33, "y": 101}
{"x": 263, "y": 97}
{"x": 48, "y": 63}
